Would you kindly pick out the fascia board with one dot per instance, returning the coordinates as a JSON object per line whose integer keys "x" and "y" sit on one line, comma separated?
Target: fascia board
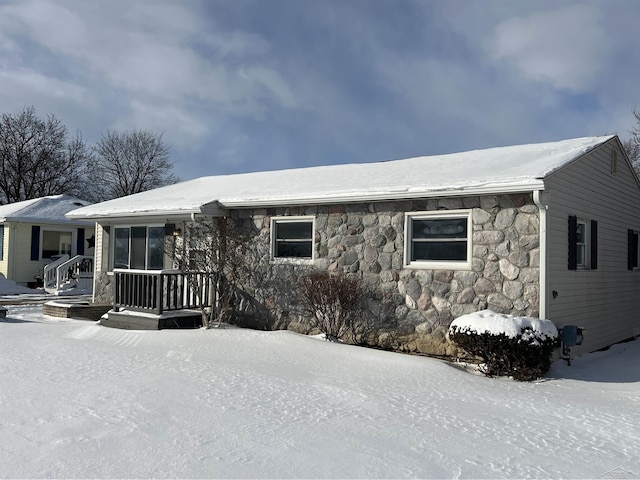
{"x": 45, "y": 221}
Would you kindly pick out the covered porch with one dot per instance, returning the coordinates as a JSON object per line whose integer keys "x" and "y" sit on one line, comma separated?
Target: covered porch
{"x": 157, "y": 299}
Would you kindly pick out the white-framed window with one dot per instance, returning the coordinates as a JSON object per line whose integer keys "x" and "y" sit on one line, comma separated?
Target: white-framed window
{"x": 139, "y": 247}
{"x": 292, "y": 238}
{"x": 55, "y": 242}
{"x": 438, "y": 239}
{"x": 582, "y": 244}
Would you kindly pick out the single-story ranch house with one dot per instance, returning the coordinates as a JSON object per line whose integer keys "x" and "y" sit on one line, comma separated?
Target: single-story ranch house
{"x": 35, "y": 232}
{"x": 547, "y": 230}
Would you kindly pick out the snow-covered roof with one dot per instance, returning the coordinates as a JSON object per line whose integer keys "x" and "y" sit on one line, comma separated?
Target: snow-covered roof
{"x": 503, "y": 169}
{"x": 51, "y": 209}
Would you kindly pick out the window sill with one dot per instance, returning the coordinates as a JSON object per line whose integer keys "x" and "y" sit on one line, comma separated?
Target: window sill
{"x": 291, "y": 261}
{"x": 438, "y": 266}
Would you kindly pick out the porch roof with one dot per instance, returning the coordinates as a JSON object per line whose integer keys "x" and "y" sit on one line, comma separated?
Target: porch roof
{"x": 495, "y": 170}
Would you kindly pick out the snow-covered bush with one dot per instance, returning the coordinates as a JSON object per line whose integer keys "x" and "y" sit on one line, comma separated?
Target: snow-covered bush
{"x": 333, "y": 301}
{"x": 520, "y": 347}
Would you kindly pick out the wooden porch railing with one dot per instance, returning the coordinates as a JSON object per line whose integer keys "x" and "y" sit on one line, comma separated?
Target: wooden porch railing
{"x": 158, "y": 291}
{"x": 59, "y": 273}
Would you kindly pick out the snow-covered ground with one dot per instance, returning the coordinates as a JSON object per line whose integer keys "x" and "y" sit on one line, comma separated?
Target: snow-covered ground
{"x": 79, "y": 400}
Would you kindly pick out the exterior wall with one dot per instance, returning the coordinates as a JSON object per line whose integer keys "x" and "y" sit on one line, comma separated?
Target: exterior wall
{"x": 411, "y": 309}
{"x": 4, "y": 261}
{"x": 605, "y": 301}
{"x": 20, "y": 268}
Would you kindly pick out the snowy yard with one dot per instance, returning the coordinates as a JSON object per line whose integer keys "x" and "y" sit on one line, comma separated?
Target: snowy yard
{"x": 82, "y": 400}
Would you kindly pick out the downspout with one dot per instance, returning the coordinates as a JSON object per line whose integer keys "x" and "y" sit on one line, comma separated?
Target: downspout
{"x": 541, "y": 199}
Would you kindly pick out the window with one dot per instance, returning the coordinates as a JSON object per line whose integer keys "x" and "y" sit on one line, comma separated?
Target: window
{"x": 583, "y": 244}
{"x": 632, "y": 250}
{"x": 55, "y": 243}
{"x": 439, "y": 239}
{"x": 139, "y": 247}
{"x": 1, "y": 242}
{"x": 292, "y": 237}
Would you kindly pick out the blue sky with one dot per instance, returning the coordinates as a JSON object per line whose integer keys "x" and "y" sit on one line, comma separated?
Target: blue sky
{"x": 246, "y": 85}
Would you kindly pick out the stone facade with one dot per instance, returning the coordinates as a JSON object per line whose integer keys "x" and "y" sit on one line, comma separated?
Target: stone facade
{"x": 409, "y": 308}
{"x": 102, "y": 288}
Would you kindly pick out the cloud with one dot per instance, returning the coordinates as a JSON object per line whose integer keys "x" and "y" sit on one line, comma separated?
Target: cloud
{"x": 252, "y": 85}
{"x": 158, "y": 54}
{"x": 565, "y": 47}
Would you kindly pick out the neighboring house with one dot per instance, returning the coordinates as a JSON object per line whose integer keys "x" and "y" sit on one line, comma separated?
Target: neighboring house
{"x": 548, "y": 230}
{"x": 33, "y": 233}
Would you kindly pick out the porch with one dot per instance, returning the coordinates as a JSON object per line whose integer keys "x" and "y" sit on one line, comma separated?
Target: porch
{"x": 66, "y": 274}
{"x": 157, "y": 299}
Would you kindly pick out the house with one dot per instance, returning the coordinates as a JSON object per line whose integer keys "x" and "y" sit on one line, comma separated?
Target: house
{"x": 35, "y": 233}
{"x": 548, "y": 230}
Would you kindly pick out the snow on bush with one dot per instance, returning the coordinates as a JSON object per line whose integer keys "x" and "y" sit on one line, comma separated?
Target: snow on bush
{"x": 508, "y": 345}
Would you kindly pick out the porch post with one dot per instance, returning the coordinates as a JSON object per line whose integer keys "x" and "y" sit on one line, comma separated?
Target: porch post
{"x": 159, "y": 296}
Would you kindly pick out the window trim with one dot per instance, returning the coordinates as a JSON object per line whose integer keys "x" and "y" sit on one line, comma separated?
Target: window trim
{"x": 112, "y": 246}
{"x": 292, "y": 219}
{"x": 437, "y": 264}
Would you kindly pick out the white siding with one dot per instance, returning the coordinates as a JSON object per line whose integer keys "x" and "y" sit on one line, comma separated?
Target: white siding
{"x": 605, "y": 301}
{"x": 21, "y": 269}
{"x": 4, "y": 262}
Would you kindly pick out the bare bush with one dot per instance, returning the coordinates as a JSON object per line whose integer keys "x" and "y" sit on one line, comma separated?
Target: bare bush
{"x": 212, "y": 253}
{"x": 334, "y": 302}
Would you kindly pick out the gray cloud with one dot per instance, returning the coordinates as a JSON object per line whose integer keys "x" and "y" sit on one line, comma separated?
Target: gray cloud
{"x": 246, "y": 85}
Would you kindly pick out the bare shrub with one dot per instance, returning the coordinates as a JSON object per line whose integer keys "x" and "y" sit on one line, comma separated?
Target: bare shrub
{"x": 334, "y": 302}
{"x": 213, "y": 254}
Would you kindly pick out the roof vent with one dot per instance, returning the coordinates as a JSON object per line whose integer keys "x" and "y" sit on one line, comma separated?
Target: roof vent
{"x": 614, "y": 161}
{"x": 78, "y": 204}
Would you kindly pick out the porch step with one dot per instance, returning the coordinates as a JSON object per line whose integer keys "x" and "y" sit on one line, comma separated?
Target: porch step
{"x": 130, "y": 320}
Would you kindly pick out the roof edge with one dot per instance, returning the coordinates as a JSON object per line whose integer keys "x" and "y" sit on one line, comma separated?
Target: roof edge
{"x": 382, "y": 197}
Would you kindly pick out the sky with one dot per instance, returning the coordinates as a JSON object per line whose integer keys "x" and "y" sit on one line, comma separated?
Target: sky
{"x": 246, "y": 85}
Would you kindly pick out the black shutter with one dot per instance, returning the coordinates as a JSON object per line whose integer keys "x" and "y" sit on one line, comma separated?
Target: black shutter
{"x": 80, "y": 242}
{"x": 594, "y": 244}
{"x": 573, "y": 242}
{"x": 632, "y": 249}
{"x": 35, "y": 242}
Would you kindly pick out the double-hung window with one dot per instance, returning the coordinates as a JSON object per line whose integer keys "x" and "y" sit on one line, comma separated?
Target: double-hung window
{"x": 139, "y": 247}
{"x": 440, "y": 239}
{"x": 583, "y": 244}
{"x": 292, "y": 238}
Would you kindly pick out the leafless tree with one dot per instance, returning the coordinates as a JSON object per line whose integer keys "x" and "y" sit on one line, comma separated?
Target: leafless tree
{"x": 130, "y": 162}
{"x": 38, "y": 159}
{"x": 213, "y": 254}
{"x": 632, "y": 145}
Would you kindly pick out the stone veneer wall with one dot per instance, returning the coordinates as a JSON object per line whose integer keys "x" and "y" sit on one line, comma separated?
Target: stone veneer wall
{"x": 102, "y": 288}
{"x": 410, "y": 309}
